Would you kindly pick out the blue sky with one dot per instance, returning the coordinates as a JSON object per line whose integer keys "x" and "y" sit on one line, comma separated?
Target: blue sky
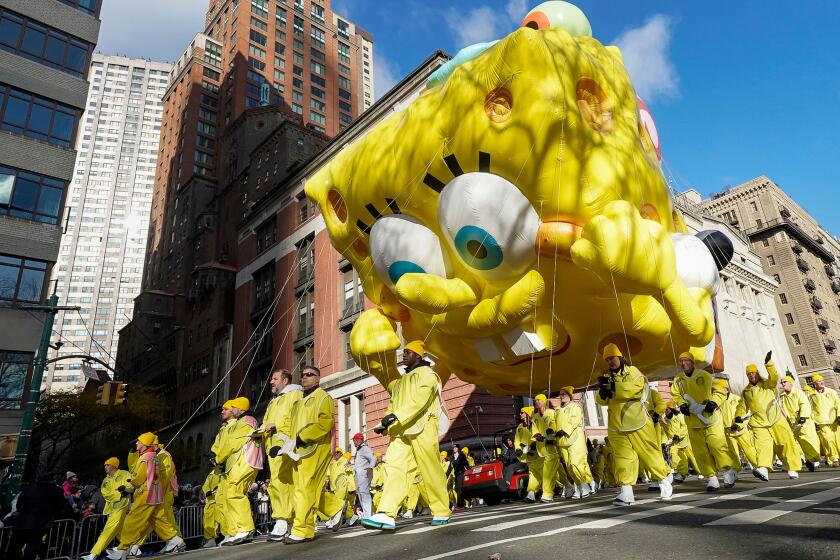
{"x": 737, "y": 89}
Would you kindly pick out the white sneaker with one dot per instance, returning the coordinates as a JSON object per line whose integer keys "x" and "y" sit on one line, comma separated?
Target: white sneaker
{"x": 175, "y": 544}
{"x": 531, "y": 497}
{"x": 569, "y": 491}
{"x": 353, "y": 520}
{"x": 379, "y": 521}
{"x": 225, "y": 540}
{"x": 713, "y": 485}
{"x": 280, "y": 530}
{"x": 134, "y": 551}
{"x": 209, "y": 543}
{"x": 625, "y": 497}
{"x": 729, "y": 478}
{"x": 761, "y": 473}
{"x": 793, "y": 474}
{"x": 90, "y": 556}
{"x": 334, "y": 524}
{"x": 595, "y": 486}
{"x": 666, "y": 489}
{"x": 238, "y": 538}
{"x": 583, "y": 490}
{"x": 118, "y": 554}
{"x": 408, "y": 515}
{"x": 546, "y": 500}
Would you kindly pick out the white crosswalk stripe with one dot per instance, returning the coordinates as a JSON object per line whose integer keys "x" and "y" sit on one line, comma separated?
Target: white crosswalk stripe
{"x": 765, "y": 514}
{"x": 644, "y": 514}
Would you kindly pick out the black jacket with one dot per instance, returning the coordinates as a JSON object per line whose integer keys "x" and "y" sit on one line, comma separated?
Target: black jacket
{"x": 458, "y": 465}
{"x": 38, "y": 505}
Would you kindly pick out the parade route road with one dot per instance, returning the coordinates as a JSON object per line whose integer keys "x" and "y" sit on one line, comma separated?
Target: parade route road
{"x": 755, "y": 520}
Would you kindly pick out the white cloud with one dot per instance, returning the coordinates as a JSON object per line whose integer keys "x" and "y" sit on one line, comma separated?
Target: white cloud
{"x": 516, "y": 10}
{"x": 484, "y": 23}
{"x": 385, "y": 73}
{"x": 646, "y": 57}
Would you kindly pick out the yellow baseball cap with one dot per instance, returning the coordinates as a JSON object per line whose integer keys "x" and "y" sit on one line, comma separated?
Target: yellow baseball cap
{"x": 541, "y": 398}
{"x": 687, "y": 356}
{"x": 242, "y": 403}
{"x": 752, "y": 368}
{"x": 787, "y": 378}
{"x": 611, "y": 350}
{"x": 147, "y": 439}
{"x": 417, "y": 347}
{"x": 113, "y": 461}
{"x": 817, "y": 377}
{"x": 529, "y": 410}
{"x": 569, "y": 390}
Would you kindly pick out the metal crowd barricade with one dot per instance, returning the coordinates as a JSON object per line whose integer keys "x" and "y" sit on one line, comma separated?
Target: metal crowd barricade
{"x": 191, "y": 521}
{"x": 87, "y": 533}
{"x": 61, "y": 540}
{"x": 261, "y": 512}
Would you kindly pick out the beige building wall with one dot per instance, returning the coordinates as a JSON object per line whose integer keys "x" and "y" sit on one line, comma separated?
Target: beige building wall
{"x": 801, "y": 257}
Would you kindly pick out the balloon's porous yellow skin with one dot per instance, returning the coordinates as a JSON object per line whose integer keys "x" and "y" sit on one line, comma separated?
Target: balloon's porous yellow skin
{"x": 516, "y": 218}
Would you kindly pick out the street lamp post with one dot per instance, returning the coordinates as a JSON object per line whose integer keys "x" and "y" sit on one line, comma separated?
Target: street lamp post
{"x": 12, "y": 484}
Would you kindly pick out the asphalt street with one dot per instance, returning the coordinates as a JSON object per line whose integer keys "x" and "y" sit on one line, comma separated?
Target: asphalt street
{"x": 755, "y": 520}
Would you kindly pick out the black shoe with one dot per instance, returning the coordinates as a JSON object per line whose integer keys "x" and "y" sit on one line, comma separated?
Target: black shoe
{"x": 810, "y": 466}
{"x": 290, "y": 540}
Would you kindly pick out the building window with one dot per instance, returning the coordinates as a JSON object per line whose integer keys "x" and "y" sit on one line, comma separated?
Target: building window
{"x": 37, "y": 117}
{"x": 317, "y": 36}
{"x": 796, "y": 341}
{"x": 254, "y": 63}
{"x": 344, "y": 29}
{"x": 344, "y": 69}
{"x": 14, "y": 370}
{"x": 21, "y": 280}
{"x": 753, "y": 206}
{"x": 777, "y": 278}
{"x": 304, "y": 356}
{"x": 210, "y": 73}
{"x": 317, "y": 92}
{"x": 803, "y": 361}
{"x": 317, "y": 105}
{"x": 206, "y": 128}
{"x": 264, "y": 286}
{"x": 317, "y": 117}
{"x": 281, "y": 17}
{"x": 257, "y": 37}
{"x": 344, "y": 82}
{"x": 771, "y": 260}
{"x": 349, "y": 362}
{"x": 789, "y": 318}
{"x": 318, "y": 68}
{"x": 306, "y": 314}
{"x": 345, "y": 118}
{"x": 266, "y": 234}
{"x": 44, "y": 44}
{"x": 29, "y": 195}
{"x": 298, "y": 27}
{"x": 256, "y": 51}
{"x": 765, "y": 242}
{"x": 260, "y": 7}
{"x": 259, "y": 24}
{"x": 317, "y": 12}
{"x": 305, "y": 209}
{"x": 318, "y": 55}
{"x": 343, "y": 52}
{"x": 354, "y": 299}
{"x": 297, "y": 108}
{"x": 87, "y": 6}
{"x": 306, "y": 261}
{"x": 783, "y": 298}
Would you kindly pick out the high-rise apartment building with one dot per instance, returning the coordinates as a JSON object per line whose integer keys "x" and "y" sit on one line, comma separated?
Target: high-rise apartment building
{"x": 45, "y": 51}
{"x": 257, "y": 93}
{"x": 801, "y": 257}
{"x": 100, "y": 264}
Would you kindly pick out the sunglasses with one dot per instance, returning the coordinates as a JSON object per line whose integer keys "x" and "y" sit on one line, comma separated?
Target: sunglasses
{"x": 309, "y": 374}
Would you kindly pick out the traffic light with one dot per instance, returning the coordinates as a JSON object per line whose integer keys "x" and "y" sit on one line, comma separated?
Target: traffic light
{"x": 119, "y": 393}
{"x": 103, "y": 394}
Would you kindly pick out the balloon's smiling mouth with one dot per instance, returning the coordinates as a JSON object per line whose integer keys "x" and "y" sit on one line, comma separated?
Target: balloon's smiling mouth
{"x": 516, "y": 347}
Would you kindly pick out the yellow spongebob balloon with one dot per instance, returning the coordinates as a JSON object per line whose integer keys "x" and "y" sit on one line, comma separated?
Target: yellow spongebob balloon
{"x": 515, "y": 217}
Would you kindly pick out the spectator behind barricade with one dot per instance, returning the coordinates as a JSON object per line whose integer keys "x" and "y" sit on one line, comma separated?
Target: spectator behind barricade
{"x": 71, "y": 483}
{"x": 38, "y": 505}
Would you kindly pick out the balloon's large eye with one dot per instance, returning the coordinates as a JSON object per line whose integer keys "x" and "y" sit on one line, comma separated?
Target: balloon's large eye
{"x": 401, "y": 245}
{"x": 556, "y": 14}
{"x": 490, "y": 224}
